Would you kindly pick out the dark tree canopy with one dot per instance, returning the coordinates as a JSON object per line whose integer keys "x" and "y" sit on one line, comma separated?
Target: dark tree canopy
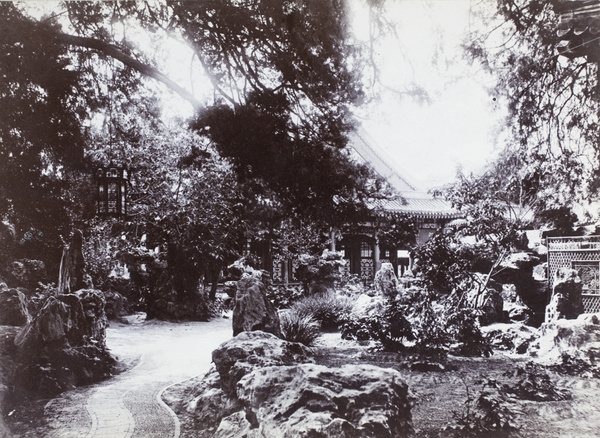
{"x": 77, "y": 92}
{"x": 553, "y": 102}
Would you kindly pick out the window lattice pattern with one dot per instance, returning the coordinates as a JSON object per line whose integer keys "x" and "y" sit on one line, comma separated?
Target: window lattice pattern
{"x": 591, "y": 303}
{"x": 366, "y": 269}
{"x": 589, "y": 273}
{"x": 346, "y": 270}
{"x": 583, "y": 254}
{"x": 277, "y": 270}
{"x": 564, "y": 259}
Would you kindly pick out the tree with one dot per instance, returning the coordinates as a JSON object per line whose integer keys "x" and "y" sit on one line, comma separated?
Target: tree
{"x": 284, "y": 76}
{"x": 41, "y": 135}
{"x": 553, "y": 103}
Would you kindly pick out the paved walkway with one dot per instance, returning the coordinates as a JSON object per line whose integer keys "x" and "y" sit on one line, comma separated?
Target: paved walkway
{"x": 129, "y": 405}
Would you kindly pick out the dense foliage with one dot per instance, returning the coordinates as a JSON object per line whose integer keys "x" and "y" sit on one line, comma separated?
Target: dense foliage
{"x": 553, "y": 101}
{"x": 76, "y": 95}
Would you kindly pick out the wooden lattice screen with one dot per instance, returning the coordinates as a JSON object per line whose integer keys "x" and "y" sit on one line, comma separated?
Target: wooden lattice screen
{"x": 582, "y": 254}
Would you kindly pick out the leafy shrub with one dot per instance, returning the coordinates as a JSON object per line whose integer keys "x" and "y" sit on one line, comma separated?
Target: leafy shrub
{"x": 486, "y": 415}
{"x": 319, "y": 273}
{"x": 429, "y": 329}
{"x": 533, "y": 383}
{"x": 283, "y": 296}
{"x": 327, "y": 308}
{"x": 466, "y": 335}
{"x": 299, "y": 328}
{"x": 434, "y": 325}
{"x": 390, "y": 327}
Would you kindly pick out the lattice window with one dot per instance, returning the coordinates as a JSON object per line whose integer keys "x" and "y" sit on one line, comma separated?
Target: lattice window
{"x": 589, "y": 272}
{"x": 591, "y": 303}
{"x": 582, "y": 254}
{"x": 365, "y": 250}
{"x": 278, "y": 270}
{"x": 366, "y": 269}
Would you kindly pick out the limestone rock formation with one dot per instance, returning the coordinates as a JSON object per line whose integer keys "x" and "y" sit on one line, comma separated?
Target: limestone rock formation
{"x": 566, "y": 300}
{"x": 72, "y": 265}
{"x": 515, "y": 337}
{"x": 573, "y": 343}
{"x": 13, "y": 307}
{"x": 514, "y": 308}
{"x": 262, "y": 386}
{"x": 240, "y": 355}
{"x": 253, "y": 310}
{"x": 314, "y": 400}
{"x": 386, "y": 282}
{"x": 64, "y": 345}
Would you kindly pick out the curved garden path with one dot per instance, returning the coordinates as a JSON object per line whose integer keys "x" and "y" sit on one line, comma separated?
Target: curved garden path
{"x": 129, "y": 405}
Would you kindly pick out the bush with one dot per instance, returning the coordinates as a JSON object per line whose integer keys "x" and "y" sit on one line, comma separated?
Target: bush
{"x": 486, "y": 415}
{"x": 390, "y": 327}
{"x": 435, "y": 325}
{"x": 466, "y": 335}
{"x": 327, "y": 308}
{"x": 431, "y": 337}
{"x": 299, "y": 328}
{"x": 320, "y": 273}
{"x": 283, "y": 296}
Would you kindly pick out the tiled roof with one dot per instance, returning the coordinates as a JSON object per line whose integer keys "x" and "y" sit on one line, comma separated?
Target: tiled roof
{"x": 414, "y": 202}
{"x": 579, "y": 29}
{"x": 420, "y": 205}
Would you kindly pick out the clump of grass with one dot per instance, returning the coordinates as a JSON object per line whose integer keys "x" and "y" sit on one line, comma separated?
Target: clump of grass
{"x": 299, "y": 328}
{"x": 330, "y": 310}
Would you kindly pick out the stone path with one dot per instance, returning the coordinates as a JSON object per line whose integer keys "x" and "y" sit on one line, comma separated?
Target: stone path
{"x": 129, "y": 405}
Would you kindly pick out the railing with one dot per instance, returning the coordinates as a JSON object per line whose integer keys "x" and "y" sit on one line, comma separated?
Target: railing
{"x": 583, "y": 243}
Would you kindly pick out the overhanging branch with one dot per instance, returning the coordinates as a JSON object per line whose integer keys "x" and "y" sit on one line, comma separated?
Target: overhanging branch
{"x": 116, "y": 53}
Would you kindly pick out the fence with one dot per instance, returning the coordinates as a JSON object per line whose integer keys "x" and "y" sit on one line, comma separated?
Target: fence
{"x": 582, "y": 254}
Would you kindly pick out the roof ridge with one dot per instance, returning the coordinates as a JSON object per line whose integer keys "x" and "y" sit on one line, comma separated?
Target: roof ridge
{"x": 381, "y": 162}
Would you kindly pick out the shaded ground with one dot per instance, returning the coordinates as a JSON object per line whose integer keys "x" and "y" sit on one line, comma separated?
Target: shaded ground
{"x": 155, "y": 355}
{"x": 440, "y": 396}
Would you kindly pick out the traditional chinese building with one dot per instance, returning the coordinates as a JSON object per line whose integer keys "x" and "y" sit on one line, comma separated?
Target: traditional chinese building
{"x": 361, "y": 244}
{"x": 578, "y": 28}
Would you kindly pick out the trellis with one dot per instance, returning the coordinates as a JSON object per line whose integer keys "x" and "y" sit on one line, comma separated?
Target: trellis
{"x": 583, "y": 255}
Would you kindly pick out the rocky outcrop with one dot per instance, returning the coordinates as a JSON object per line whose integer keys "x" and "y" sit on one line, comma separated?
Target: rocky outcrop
{"x": 240, "y": 355}
{"x": 570, "y": 343}
{"x": 72, "y": 265}
{"x": 13, "y": 307}
{"x": 262, "y": 386}
{"x": 566, "y": 300}
{"x": 314, "y": 400}
{"x": 253, "y": 310}
{"x": 514, "y": 308}
{"x": 513, "y": 337}
{"x": 518, "y": 270}
{"x": 386, "y": 282}
{"x": 64, "y": 345}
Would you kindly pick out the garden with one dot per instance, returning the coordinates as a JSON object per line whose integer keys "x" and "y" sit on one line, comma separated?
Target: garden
{"x": 171, "y": 163}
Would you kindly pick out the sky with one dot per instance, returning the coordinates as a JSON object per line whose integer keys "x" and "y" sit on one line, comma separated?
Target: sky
{"x": 459, "y": 125}
{"x": 426, "y": 141}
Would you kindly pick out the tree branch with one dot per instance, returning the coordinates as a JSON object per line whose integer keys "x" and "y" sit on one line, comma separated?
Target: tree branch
{"x": 115, "y": 52}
